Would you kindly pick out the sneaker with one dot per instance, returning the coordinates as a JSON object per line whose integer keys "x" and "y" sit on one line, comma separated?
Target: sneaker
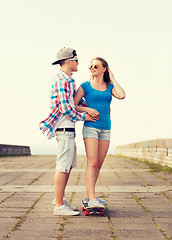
{"x": 66, "y": 203}
{"x": 86, "y": 200}
{"x": 95, "y": 203}
{"x": 64, "y": 210}
{"x": 101, "y": 200}
{"x": 54, "y": 201}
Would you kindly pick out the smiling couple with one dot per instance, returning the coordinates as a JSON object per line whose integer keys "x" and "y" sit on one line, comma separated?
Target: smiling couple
{"x": 67, "y": 107}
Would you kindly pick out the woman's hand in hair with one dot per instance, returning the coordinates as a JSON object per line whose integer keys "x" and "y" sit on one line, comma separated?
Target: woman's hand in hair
{"x": 117, "y": 90}
{"x": 111, "y": 75}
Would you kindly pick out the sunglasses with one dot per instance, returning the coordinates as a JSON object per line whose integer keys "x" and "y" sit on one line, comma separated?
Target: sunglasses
{"x": 72, "y": 59}
{"x": 93, "y": 66}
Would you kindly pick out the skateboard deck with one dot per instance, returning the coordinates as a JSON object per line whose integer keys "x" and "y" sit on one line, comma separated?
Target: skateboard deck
{"x": 89, "y": 210}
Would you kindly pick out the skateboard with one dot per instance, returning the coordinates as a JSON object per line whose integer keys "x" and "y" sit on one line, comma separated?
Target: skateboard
{"x": 89, "y": 210}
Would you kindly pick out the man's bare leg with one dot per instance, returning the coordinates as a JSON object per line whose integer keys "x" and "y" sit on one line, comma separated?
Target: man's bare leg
{"x": 60, "y": 182}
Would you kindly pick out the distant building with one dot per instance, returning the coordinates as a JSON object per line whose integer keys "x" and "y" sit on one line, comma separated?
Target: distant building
{"x": 14, "y": 150}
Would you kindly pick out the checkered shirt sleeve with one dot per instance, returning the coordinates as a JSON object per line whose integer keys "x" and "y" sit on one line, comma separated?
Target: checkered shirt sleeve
{"x": 59, "y": 97}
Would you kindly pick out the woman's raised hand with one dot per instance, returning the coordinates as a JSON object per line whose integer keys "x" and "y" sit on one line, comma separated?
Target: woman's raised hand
{"x": 111, "y": 74}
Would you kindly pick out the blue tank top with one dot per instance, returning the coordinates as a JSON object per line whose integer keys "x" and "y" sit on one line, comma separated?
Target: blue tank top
{"x": 100, "y": 101}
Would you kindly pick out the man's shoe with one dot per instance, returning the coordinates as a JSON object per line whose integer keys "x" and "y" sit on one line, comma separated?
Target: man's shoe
{"x": 64, "y": 210}
{"x": 95, "y": 203}
{"x": 66, "y": 203}
{"x": 54, "y": 201}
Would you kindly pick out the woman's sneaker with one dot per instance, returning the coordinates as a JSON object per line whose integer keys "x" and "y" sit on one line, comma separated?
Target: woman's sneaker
{"x": 66, "y": 203}
{"x": 95, "y": 203}
{"x": 101, "y": 200}
{"x": 86, "y": 200}
{"x": 64, "y": 210}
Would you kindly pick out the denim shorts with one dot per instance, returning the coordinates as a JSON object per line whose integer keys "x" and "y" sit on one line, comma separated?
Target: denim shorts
{"x": 66, "y": 151}
{"x": 101, "y": 134}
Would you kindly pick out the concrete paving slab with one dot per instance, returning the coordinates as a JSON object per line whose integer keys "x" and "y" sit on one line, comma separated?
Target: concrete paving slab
{"x": 74, "y": 188}
{"x": 139, "y": 235}
{"x": 47, "y": 170}
{"x": 5, "y": 226}
{"x": 138, "y": 201}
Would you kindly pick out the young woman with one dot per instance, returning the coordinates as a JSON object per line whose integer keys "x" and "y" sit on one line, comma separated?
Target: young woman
{"x": 98, "y": 95}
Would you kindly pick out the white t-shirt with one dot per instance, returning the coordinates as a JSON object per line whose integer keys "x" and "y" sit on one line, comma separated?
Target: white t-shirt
{"x": 63, "y": 121}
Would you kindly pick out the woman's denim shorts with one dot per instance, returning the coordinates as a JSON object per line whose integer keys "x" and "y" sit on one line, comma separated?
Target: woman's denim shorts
{"x": 101, "y": 134}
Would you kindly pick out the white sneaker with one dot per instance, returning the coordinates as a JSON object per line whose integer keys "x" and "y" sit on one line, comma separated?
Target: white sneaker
{"x": 54, "y": 201}
{"x": 66, "y": 203}
{"x": 86, "y": 200}
{"x": 101, "y": 200}
{"x": 95, "y": 203}
{"x": 64, "y": 210}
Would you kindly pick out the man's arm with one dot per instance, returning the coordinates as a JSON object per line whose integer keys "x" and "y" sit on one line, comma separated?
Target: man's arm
{"x": 63, "y": 91}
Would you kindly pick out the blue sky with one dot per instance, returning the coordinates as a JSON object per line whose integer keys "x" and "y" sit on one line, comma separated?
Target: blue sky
{"x": 133, "y": 36}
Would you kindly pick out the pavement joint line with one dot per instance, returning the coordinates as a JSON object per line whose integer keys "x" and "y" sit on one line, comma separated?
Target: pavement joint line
{"x": 138, "y": 200}
{"x": 149, "y": 170}
{"x": 145, "y": 182}
{"x": 140, "y": 203}
{"x": 134, "y": 172}
{"x": 5, "y": 170}
{"x": 23, "y": 217}
{"x": 112, "y": 169}
{"x": 152, "y": 165}
{"x": 36, "y": 179}
{"x": 112, "y": 230}
{"x": 166, "y": 196}
{"x": 147, "y": 185}
{"x": 13, "y": 179}
{"x": 8, "y": 197}
{"x": 81, "y": 188}
{"x": 65, "y": 218}
{"x": 162, "y": 178}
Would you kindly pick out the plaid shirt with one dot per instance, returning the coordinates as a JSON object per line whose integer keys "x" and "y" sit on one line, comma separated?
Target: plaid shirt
{"x": 60, "y": 103}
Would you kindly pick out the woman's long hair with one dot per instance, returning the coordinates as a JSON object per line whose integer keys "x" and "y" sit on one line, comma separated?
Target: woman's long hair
{"x": 106, "y": 76}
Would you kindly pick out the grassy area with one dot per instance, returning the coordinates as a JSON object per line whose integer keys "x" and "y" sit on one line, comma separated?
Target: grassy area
{"x": 153, "y": 166}
{"x": 158, "y": 167}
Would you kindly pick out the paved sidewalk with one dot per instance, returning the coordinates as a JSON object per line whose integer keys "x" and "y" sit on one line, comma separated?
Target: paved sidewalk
{"x": 139, "y": 202}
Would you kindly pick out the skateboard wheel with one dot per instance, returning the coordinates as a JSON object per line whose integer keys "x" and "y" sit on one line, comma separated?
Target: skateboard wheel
{"x": 83, "y": 208}
{"x": 86, "y": 213}
{"x": 102, "y": 213}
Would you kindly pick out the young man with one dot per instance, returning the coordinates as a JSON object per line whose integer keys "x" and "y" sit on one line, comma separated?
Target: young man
{"x": 61, "y": 122}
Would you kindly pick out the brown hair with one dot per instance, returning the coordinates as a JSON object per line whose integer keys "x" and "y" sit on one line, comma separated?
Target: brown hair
{"x": 106, "y": 76}
{"x": 62, "y": 62}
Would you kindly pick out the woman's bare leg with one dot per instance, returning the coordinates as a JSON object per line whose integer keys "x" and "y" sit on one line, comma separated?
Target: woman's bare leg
{"x": 91, "y": 147}
{"x": 103, "y": 147}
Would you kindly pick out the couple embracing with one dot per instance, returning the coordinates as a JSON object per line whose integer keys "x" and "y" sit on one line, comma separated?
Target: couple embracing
{"x": 67, "y": 107}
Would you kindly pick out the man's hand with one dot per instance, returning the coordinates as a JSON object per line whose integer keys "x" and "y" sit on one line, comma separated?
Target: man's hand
{"x": 90, "y": 118}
